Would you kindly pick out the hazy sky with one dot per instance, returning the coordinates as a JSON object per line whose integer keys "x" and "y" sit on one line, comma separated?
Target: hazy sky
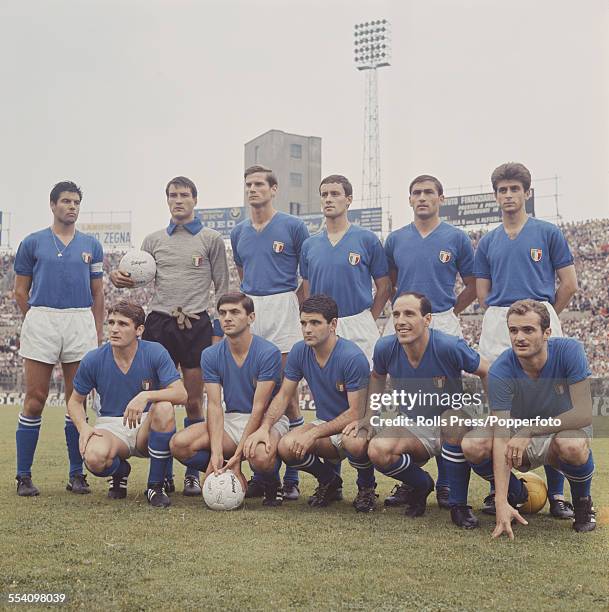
{"x": 122, "y": 95}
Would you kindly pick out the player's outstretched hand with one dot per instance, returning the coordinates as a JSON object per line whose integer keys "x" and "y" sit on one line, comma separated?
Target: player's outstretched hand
{"x": 216, "y": 462}
{"x": 121, "y": 280}
{"x": 504, "y": 516}
{"x": 234, "y": 463}
{"x": 260, "y": 436}
{"x": 86, "y": 433}
{"x": 134, "y": 410}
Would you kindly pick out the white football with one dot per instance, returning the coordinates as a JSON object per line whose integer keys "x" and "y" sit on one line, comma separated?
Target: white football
{"x": 223, "y": 492}
{"x": 140, "y": 266}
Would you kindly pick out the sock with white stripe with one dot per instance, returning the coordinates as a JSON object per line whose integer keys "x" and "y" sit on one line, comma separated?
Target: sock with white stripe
{"x": 72, "y": 439}
{"x": 365, "y": 471}
{"x": 28, "y": 430}
{"x": 485, "y": 470}
{"x": 406, "y": 470}
{"x": 315, "y": 466}
{"x": 555, "y": 480}
{"x": 579, "y": 477}
{"x": 158, "y": 449}
{"x": 110, "y": 470}
{"x": 443, "y": 479}
{"x": 291, "y": 475}
{"x": 190, "y": 471}
{"x": 457, "y": 471}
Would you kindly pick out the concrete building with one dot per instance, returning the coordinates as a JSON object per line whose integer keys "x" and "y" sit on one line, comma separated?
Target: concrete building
{"x": 296, "y": 161}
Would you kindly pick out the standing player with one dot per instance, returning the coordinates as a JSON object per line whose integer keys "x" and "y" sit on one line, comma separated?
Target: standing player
{"x": 58, "y": 287}
{"x": 342, "y": 261}
{"x": 247, "y": 369}
{"x": 538, "y": 378}
{"x": 337, "y": 373}
{"x": 426, "y": 256}
{"x": 189, "y": 258}
{"x": 266, "y": 249}
{"x": 518, "y": 260}
{"x": 425, "y": 362}
{"x": 138, "y": 385}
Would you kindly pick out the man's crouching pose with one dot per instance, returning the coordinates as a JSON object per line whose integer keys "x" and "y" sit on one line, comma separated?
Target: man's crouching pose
{"x": 138, "y": 384}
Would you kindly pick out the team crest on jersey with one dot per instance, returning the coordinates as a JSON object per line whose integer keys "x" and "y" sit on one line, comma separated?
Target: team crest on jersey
{"x": 354, "y": 258}
{"x": 146, "y": 385}
{"x": 278, "y": 246}
{"x": 560, "y": 389}
{"x": 439, "y": 381}
{"x": 536, "y": 254}
{"x": 340, "y": 387}
{"x": 197, "y": 260}
{"x": 87, "y": 257}
{"x": 445, "y": 256}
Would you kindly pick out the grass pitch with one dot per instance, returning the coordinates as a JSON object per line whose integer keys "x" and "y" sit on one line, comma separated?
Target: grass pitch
{"x": 124, "y": 555}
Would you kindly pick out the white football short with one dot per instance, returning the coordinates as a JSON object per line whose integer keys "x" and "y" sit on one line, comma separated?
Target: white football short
{"x": 128, "y": 436}
{"x": 235, "y": 423}
{"x": 277, "y": 319}
{"x": 447, "y": 322}
{"x": 429, "y": 436}
{"x": 537, "y": 451}
{"x": 50, "y": 335}
{"x": 360, "y": 328}
{"x": 495, "y": 337}
{"x": 336, "y": 439}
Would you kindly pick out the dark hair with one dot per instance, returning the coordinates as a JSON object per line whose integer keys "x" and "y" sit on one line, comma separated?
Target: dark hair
{"x": 236, "y": 297}
{"x": 427, "y": 177}
{"x": 424, "y": 303}
{"x": 322, "y": 304}
{"x": 270, "y": 177}
{"x": 131, "y": 310}
{"x": 512, "y": 171}
{"x": 64, "y": 186}
{"x": 521, "y": 307}
{"x": 182, "y": 181}
{"x": 338, "y": 178}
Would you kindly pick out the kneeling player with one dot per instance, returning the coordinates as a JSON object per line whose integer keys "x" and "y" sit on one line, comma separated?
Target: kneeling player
{"x": 138, "y": 385}
{"x": 543, "y": 380}
{"x": 248, "y": 369}
{"x": 428, "y": 362}
{"x": 337, "y": 373}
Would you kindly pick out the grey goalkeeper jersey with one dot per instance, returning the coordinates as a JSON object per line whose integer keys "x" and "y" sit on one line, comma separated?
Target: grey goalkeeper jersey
{"x": 186, "y": 266}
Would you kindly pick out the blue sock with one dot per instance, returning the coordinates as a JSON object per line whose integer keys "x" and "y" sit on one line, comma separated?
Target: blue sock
{"x": 158, "y": 449}
{"x": 337, "y": 465}
{"x": 116, "y": 463}
{"x": 199, "y": 461}
{"x": 190, "y": 471}
{"x": 72, "y": 438}
{"x": 443, "y": 479}
{"x": 28, "y": 429}
{"x": 579, "y": 477}
{"x": 407, "y": 471}
{"x": 273, "y": 476}
{"x": 555, "y": 480}
{"x": 485, "y": 470}
{"x": 313, "y": 465}
{"x": 457, "y": 471}
{"x": 365, "y": 471}
{"x": 291, "y": 474}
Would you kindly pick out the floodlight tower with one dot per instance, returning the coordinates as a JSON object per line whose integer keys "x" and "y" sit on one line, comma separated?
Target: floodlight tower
{"x": 372, "y": 51}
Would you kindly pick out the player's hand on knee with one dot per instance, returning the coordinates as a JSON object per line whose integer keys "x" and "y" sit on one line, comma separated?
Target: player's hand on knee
{"x": 121, "y": 280}
{"x": 133, "y": 413}
{"x": 515, "y": 450}
{"x": 86, "y": 433}
{"x": 301, "y": 443}
{"x": 504, "y": 516}
{"x": 260, "y": 436}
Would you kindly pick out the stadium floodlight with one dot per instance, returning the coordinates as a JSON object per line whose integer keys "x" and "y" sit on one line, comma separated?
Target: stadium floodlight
{"x": 372, "y": 44}
{"x": 372, "y": 50}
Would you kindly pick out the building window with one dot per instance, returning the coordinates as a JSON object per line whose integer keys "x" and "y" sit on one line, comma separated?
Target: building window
{"x": 296, "y": 151}
{"x": 295, "y": 179}
{"x": 295, "y": 208}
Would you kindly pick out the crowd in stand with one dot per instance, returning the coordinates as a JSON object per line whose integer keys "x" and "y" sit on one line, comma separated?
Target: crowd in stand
{"x": 587, "y": 318}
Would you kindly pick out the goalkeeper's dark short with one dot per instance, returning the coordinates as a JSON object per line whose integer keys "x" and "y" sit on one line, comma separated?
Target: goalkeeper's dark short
{"x": 184, "y": 345}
